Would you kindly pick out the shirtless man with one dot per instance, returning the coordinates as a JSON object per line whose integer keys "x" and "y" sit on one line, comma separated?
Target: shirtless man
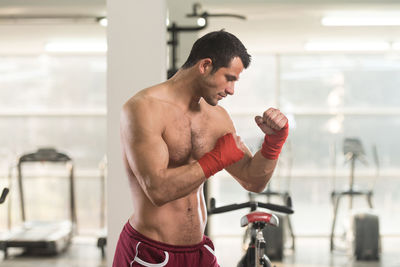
{"x": 174, "y": 137}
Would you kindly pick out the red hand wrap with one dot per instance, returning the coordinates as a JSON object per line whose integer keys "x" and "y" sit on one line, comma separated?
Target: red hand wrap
{"x": 272, "y": 145}
{"x": 224, "y": 154}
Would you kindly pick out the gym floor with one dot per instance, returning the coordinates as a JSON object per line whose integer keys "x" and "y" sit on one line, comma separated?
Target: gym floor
{"x": 314, "y": 252}
{"x": 310, "y": 252}
{"x": 82, "y": 253}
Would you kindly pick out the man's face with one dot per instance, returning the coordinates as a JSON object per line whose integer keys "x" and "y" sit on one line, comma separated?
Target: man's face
{"x": 221, "y": 83}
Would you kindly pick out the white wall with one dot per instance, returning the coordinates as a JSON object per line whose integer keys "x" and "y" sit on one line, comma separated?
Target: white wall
{"x": 136, "y": 59}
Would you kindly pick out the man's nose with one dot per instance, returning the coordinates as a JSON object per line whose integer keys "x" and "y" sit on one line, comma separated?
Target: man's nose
{"x": 230, "y": 90}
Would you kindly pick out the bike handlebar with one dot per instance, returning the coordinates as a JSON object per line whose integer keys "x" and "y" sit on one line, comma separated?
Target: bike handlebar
{"x": 250, "y": 204}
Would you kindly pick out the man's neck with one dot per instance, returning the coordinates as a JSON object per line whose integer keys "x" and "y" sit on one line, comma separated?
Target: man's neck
{"x": 185, "y": 89}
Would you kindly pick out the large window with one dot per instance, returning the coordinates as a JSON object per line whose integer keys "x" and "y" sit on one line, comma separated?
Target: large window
{"x": 54, "y": 101}
{"x": 327, "y": 98}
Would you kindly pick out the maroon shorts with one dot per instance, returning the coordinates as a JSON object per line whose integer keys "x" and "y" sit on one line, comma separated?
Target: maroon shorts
{"x": 134, "y": 249}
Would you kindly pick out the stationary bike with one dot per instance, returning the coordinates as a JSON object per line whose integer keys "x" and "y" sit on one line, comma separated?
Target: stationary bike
{"x": 255, "y": 255}
{"x": 281, "y": 235}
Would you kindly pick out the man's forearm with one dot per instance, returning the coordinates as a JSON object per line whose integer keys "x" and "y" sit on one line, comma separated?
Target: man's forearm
{"x": 170, "y": 184}
{"x": 174, "y": 183}
{"x": 260, "y": 170}
{"x": 261, "y": 166}
{"x": 254, "y": 172}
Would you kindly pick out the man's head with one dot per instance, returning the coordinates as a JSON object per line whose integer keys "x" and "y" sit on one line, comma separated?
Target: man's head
{"x": 219, "y": 46}
{"x": 219, "y": 58}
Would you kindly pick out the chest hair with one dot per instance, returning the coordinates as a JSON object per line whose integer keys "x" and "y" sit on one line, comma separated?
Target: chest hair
{"x": 188, "y": 139}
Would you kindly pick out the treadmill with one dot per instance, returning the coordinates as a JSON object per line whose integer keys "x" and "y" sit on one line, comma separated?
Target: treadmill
{"x": 42, "y": 237}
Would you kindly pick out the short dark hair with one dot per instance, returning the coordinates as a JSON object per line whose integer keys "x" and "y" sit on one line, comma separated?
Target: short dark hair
{"x": 221, "y": 47}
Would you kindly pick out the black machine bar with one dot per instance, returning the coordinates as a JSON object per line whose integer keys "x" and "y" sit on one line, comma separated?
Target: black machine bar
{"x": 251, "y": 204}
{"x": 4, "y": 195}
{"x": 45, "y": 154}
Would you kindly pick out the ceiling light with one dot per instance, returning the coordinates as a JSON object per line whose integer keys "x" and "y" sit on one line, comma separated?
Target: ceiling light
{"x": 346, "y": 46}
{"x": 361, "y": 21}
{"x": 92, "y": 47}
{"x": 103, "y": 22}
{"x": 396, "y": 46}
{"x": 201, "y": 21}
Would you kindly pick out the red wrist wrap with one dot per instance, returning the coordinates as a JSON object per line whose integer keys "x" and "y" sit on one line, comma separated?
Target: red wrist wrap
{"x": 272, "y": 145}
{"x": 224, "y": 154}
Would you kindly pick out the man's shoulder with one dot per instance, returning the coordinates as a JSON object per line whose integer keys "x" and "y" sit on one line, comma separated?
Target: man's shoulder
{"x": 139, "y": 110}
{"x": 217, "y": 111}
{"x": 137, "y": 103}
{"x": 142, "y": 112}
{"x": 220, "y": 117}
{"x": 141, "y": 101}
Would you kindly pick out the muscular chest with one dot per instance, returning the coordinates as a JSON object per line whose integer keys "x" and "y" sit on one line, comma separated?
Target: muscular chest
{"x": 188, "y": 138}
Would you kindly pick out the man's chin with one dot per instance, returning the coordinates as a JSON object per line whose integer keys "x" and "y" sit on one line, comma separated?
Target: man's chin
{"x": 212, "y": 102}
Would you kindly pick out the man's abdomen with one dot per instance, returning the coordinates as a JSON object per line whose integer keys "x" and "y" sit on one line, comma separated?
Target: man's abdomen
{"x": 180, "y": 222}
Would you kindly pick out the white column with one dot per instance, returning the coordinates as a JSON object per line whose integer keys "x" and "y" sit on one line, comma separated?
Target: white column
{"x": 136, "y": 36}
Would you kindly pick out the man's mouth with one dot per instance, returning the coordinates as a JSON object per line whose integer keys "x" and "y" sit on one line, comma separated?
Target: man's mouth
{"x": 220, "y": 96}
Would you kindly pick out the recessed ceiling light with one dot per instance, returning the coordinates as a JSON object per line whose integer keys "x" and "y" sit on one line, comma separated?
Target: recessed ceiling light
{"x": 88, "y": 47}
{"x": 347, "y": 46}
{"x": 361, "y": 21}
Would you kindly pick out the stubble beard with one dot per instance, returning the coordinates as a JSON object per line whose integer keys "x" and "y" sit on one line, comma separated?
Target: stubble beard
{"x": 208, "y": 87}
{"x": 211, "y": 101}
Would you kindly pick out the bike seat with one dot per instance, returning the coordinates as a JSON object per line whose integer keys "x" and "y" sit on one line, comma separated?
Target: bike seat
{"x": 257, "y": 216}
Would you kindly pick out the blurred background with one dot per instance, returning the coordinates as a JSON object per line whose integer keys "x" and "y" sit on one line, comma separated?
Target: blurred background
{"x": 333, "y": 67}
{"x": 53, "y": 95}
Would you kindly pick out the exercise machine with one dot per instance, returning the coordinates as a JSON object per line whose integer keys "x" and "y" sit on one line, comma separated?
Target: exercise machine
{"x": 4, "y": 195}
{"x": 42, "y": 237}
{"x": 255, "y": 255}
{"x": 277, "y": 235}
{"x": 102, "y": 238}
{"x": 363, "y": 234}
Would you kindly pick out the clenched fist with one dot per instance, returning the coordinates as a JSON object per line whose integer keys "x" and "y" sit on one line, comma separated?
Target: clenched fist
{"x": 272, "y": 120}
{"x": 276, "y": 128}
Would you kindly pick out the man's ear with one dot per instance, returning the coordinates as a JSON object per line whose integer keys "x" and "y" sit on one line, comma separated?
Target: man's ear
{"x": 205, "y": 65}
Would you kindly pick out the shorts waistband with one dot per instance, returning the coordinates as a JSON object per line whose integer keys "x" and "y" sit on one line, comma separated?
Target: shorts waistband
{"x": 129, "y": 230}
